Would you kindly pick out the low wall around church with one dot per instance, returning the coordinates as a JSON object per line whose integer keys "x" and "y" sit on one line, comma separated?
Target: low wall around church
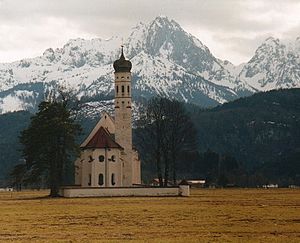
{"x": 182, "y": 190}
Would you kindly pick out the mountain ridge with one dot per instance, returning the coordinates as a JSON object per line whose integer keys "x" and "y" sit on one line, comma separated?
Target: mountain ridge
{"x": 167, "y": 61}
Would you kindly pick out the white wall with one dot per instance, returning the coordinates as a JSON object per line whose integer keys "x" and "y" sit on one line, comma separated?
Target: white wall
{"x": 125, "y": 191}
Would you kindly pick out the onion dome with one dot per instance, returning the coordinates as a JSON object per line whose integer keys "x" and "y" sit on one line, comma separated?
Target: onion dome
{"x": 122, "y": 65}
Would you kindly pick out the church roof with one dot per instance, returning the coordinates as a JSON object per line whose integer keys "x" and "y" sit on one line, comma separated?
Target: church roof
{"x": 102, "y": 139}
{"x": 122, "y": 65}
{"x": 106, "y": 121}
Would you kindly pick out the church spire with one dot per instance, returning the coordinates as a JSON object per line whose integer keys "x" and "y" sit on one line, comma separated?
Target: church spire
{"x": 122, "y": 65}
{"x": 122, "y": 53}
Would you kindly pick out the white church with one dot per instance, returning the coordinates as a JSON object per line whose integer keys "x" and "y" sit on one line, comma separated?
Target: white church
{"x": 107, "y": 158}
{"x": 108, "y": 165}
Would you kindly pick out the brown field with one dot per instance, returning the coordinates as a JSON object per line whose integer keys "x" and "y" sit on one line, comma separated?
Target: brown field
{"x": 209, "y": 215}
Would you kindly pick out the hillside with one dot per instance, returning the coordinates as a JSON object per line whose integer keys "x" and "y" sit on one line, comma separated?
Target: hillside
{"x": 256, "y": 138}
{"x": 10, "y": 126}
{"x": 256, "y": 129}
{"x": 260, "y": 130}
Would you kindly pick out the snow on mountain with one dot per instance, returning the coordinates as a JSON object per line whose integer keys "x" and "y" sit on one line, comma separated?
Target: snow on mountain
{"x": 274, "y": 65}
{"x": 166, "y": 61}
{"x": 164, "y": 39}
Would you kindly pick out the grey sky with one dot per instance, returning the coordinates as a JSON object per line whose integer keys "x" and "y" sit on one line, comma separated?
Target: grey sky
{"x": 232, "y": 29}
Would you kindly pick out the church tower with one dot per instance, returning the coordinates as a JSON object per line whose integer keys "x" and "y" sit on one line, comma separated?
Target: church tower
{"x": 123, "y": 123}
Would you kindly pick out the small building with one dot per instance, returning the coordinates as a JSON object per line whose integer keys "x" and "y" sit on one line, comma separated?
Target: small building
{"x": 270, "y": 186}
{"x": 196, "y": 183}
{"x": 155, "y": 182}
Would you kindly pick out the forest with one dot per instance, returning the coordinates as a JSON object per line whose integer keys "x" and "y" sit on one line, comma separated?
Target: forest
{"x": 248, "y": 142}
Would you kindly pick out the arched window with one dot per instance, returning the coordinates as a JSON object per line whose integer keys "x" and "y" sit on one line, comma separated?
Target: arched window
{"x": 113, "y": 182}
{"x": 128, "y": 89}
{"x": 113, "y": 158}
{"x": 101, "y": 158}
{"x": 100, "y": 180}
{"x": 117, "y": 89}
{"x": 123, "y": 89}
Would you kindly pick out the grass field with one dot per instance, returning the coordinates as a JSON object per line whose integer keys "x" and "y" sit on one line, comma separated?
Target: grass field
{"x": 209, "y": 215}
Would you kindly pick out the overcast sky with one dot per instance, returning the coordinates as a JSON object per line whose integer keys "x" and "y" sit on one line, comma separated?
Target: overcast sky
{"x": 232, "y": 29}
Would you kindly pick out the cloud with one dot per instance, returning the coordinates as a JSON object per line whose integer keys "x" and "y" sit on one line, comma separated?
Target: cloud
{"x": 220, "y": 24}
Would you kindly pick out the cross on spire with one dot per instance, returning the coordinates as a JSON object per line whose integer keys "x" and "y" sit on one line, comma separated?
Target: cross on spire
{"x": 122, "y": 53}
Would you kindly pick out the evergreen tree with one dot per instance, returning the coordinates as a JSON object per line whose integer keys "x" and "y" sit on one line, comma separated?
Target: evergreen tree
{"x": 49, "y": 144}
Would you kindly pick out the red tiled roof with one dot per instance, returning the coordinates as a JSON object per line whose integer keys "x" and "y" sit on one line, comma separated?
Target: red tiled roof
{"x": 102, "y": 139}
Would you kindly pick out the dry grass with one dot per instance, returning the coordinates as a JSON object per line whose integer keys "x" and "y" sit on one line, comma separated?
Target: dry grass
{"x": 231, "y": 215}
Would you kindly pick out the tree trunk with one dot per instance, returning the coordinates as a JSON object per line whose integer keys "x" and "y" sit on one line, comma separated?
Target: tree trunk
{"x": 167, "y": 167}
{"x": 55, "y": 173}
{"x": 174, "y": 169}
{"x": 158, "y": 167}
{"x": 54, "y": 190}
{"x": 54, "y": 185}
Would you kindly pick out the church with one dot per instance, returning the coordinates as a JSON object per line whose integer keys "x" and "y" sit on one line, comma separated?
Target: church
{"x": 107, "y": 157}
{"x": 108, "y": 165}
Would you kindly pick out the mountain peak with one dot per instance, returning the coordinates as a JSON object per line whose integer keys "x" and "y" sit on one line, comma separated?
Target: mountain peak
{"x": 165, "y": 22}
{"x": 162, "y": 19}
{"x": 272, "y": 41}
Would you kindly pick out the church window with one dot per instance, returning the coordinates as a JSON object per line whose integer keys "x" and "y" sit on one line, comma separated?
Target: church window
{"x": 113, "y": 158}
{"x": 101, "y": 180}
{"x": 117, "y": 89}
{"x": 113, "y": 182}
{"x": 128, "y": 89}
{"x": 123, "y": 89}
{"x": 90, "y": 180}
{"x": 101, "y": 158}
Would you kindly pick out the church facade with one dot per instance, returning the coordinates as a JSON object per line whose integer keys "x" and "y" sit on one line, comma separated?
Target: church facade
{"x": 107, "y": 157}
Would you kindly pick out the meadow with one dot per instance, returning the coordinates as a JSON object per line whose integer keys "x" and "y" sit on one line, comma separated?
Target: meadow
{"x": 209, "y": 215}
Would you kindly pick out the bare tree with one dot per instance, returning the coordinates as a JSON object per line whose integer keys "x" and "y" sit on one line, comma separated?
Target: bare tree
{"x": 182, "y": 135}
{"x": 166, "y": 131}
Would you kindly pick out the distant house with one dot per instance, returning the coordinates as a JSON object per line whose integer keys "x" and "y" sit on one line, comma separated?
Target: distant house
{"x": 196, "y": 183}
{"x": 270, "y": 186}
{"x": 155, "y": 182}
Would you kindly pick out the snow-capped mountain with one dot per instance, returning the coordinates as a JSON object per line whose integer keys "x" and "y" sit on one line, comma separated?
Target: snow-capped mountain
{"x": 274, "y": 65}
{"x": 166, "y": 61}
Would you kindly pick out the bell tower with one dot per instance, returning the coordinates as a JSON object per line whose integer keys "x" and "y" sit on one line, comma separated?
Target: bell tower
{"x": 123, "y": 123}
